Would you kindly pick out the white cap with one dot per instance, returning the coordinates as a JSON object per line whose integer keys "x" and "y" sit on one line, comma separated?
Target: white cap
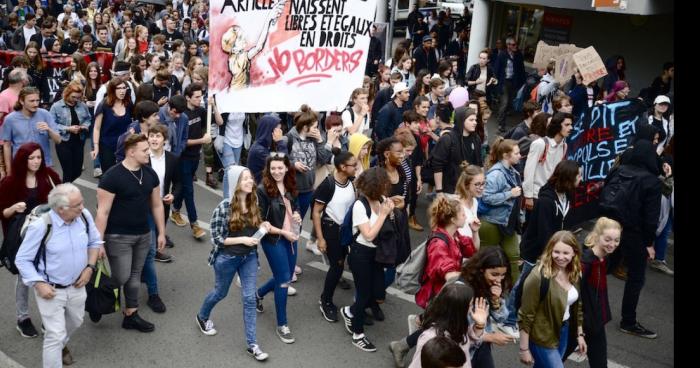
{"x": 398, "y": 88}
{"x": 662, "y": 99}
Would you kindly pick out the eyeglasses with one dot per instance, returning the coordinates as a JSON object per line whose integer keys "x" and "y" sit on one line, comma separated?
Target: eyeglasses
{"x": 479, "y": 185}
{"x": 277, "y": 154}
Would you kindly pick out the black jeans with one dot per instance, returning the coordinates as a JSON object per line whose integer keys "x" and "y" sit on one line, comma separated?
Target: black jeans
{"x": 635, "y": 255}
{"x": 70, "y": 155}
{"x": 336, "y": 258}
{"x": 107, "y": 158}
{"x": 482, "y": 357}
{"x": 507, "y": 95}
{"x": 597, "y": 350}
{"x": 369, "y": 282}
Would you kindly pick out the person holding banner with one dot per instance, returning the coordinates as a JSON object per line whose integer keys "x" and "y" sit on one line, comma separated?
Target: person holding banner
{"x": 620, "y": 91}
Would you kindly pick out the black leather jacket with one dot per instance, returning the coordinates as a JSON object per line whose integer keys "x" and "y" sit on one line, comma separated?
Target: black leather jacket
{"x": 273, "y": 210}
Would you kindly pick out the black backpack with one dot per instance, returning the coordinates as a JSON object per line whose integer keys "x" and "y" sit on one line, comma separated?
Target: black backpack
{"x": 620, "y": 194}
{"x": 544, "y": 287}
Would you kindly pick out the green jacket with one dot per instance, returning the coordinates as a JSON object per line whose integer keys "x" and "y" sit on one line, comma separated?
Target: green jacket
{"x": 543, "y": 321}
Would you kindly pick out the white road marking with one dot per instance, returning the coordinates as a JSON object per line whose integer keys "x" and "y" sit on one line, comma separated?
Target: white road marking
{"x": 218, "y": 192}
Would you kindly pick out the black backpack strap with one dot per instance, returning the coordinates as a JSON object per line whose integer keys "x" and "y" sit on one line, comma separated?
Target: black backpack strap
{"x": 544, "y": 286}
{"x": 41, "y": 252}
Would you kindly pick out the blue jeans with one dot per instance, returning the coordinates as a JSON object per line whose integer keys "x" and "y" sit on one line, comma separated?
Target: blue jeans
{"x": 281, "y": 257}
{"x": 510, "y": 302}
{"x": 389, "y": 277}
{"x": 551, "y": 358}
{"x": 225, "y": 266}
{"x": 149, "y": 267}
{"x": 304, "y": 202}
{"x": 187, "y": 170}
{"x": 661, "y": 242}
{"x": 230, "y": 156}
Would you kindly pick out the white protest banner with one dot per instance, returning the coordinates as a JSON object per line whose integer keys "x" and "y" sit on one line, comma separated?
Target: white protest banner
{"x": 275, "y": 55}
{"x": 590, "y": 65}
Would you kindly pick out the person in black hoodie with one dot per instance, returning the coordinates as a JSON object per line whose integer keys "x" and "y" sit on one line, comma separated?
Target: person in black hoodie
{"x": 268, "y": 138}
{"x": 547, "y": 218}
{"x": 600, "y": 243}
{"x": 640, "y": 222}
{"x": 460, "y": 144}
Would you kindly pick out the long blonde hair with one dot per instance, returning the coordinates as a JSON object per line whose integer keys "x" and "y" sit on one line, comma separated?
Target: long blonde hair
{"x": 573, "y": 269}
{"x": 601, "y": 225}
{"x": 237, "y": 219}
{"x": 469, "y": 172}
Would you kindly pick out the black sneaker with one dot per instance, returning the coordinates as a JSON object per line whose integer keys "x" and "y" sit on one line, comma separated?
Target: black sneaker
{"x": 156, "y": 303}
{"x": 207, "y": 327}
{"x": 169, "y": 243}
{"x": 135, "y": 322}
{"x": 26, "y": 328}
{"x": 95, "y": 317}
{"x": 638, "y": 330}
{"x": 162, "y": 257}
{"x": 377, "y": 313}
{"x": 346, "y": 319}
{"x": 329, "y": 311}
{"x": 258, "y": 304}
{"x": 364, "y": 344}
{"x": 344, "y": 284}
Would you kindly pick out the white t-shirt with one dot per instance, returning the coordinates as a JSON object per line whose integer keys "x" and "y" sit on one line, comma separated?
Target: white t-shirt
{"x": 348, "y": 121}
{"x": 482, "y": 86}
{"x": 471, "y": 216}
{"x": 571, "y": 297}
{"x": 338, "y": 204}
{"x": 234, "y": 129}
{"x": 359, "y": 217}
{"x": 28, "y": 33}
{"x": 158, "y": 165}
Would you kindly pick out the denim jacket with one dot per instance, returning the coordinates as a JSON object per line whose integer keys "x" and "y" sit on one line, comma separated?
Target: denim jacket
{"x": 61, "y": 114}
{"x": 497, "y": 196}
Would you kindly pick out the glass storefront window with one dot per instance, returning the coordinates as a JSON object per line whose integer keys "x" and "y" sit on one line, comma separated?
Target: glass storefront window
{"x": 525, "y": 24}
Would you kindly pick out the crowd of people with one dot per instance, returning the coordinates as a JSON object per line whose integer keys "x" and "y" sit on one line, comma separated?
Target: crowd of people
{"x": 500, "y": 265}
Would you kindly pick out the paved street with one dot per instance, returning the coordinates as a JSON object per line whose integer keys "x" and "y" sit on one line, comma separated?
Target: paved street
{"x": 177, "y": 342}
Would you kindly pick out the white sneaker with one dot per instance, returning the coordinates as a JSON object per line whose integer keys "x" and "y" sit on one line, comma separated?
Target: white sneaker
{"x": 412, "y": 323}
{"x": 291, "y": 291}
{"x": 97, "y": 172}
{"x": 297, "y": 270}
{"x": 258, "y": 354}
{"x": 312, "y": 246}
{"x": 294, "y": 277}
{"x": 511, "y": 331}
{"x": 661, "y": 266}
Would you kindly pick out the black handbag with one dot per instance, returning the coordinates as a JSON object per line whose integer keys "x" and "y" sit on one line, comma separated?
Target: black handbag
{"x": 102, "y": 292}
{"x": 387, "y": 241}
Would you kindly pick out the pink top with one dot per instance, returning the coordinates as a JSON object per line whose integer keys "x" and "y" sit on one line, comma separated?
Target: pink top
{"x": 8, "y": 98}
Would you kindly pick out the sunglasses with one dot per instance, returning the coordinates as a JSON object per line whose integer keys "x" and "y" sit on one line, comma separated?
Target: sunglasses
{"x": 277, "y": 154}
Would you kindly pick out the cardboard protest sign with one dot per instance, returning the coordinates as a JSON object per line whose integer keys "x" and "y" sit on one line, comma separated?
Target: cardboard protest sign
{"x": 564, "y": 68}
{"x": 590, "y": 65}
{"x": 599, "y": 135}
{"x": 275, "y": 55}
{"x": 543, "y": 54}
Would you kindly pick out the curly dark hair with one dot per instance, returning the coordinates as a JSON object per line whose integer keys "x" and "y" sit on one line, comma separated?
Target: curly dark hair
{"x": 374, "y": 183}
{"x": 485, "y": 258}
{"x": 290, "y": 181}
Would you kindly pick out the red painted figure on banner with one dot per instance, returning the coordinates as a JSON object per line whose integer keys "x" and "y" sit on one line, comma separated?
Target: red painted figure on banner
{"x": 240, "y": 56}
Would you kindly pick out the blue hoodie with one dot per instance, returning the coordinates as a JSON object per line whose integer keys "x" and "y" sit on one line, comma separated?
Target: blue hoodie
{"x": 260, "y": 149}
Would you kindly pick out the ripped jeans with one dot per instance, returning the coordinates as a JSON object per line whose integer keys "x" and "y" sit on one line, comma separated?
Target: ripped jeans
{"x": 281, "y": 256}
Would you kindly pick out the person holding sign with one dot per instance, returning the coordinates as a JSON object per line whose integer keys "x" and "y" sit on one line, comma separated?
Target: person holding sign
{"x": 234, "y": 43}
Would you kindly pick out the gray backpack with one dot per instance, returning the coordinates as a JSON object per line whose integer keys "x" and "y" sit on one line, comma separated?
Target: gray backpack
{"x": 409, "y": 275}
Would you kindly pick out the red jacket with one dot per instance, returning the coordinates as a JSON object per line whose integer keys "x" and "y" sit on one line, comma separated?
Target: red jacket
{"x": 442, "y": 259}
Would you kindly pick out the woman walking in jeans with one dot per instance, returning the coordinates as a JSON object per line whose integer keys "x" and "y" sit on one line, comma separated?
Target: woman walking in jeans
{"x": 233, "y": 224}
{"x": 279, "y": 206}
{"x": 373, "y": 186}
{"x": 549, "y": 323}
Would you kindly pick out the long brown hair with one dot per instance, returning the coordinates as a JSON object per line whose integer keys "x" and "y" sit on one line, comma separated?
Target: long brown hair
{"x": 290, "y": 181}
{"x": 573, "y": 269}
{"x": 112, "y": 92}
{"x": 37, "y": 62}
{"x": 237, "y": 219}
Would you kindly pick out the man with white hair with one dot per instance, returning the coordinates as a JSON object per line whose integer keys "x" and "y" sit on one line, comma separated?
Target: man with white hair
{"x": 66, "y": 243}
{"x": 68, "y": 12}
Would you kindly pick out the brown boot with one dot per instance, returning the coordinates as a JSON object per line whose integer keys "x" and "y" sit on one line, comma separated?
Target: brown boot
{"x": 413, "y": 224}
{"x": 211, "y": 180}
{"x": 620, "y": 273}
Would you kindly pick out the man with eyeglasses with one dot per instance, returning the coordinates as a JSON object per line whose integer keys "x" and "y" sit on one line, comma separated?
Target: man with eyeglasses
{"x": 510, "y": 70}
{"x": 68, "y": 257}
